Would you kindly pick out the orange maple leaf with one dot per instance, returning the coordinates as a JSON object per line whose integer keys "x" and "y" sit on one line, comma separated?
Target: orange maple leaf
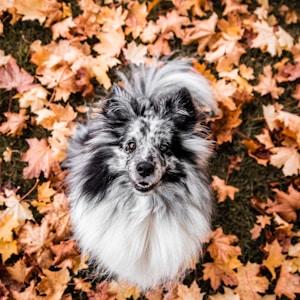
{"x": 250, "y": 283}
{"x": 39, "y": 157}
{"x": 222, "y": 189}
{"x": 192, "y": 292}
{"x": 12, "y": 77}
{"x": 172, "y": 22}
{"x": 15, "y": 123}
{"x": 137, "y": 18}
{"x": 275, "y": 257}
{"x": 267, "y": 84}
{"x": 288, "y": 284}
{"x": 54, "y": 283}
{"x": 34, "y": 238}
{"x": 220, "y": 247}
{"x": 19, "y": 271}
{"x": 223, "y": 126}
{"x": 286, "y": 204}
{"x": 219, "y": 271}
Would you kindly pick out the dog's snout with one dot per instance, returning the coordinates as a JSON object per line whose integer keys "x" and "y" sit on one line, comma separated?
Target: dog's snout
{"x": 145, "y": 168}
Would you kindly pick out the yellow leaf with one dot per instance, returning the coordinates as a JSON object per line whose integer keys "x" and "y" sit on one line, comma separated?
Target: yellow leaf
{"x": 222, "y": 189}
{"x": 275, "y": 257}
{"x": 7, "y": 248}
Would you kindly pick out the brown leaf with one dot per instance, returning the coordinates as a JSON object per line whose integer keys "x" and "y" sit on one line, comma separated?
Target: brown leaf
{"x": 12, "y": 77}
{"x": 39, "y": 157}
{"x": 54, "y": 283}
{"x": 19, "y": 271}
{"x": 267, "y": 84}
{"x": 15, "y": 123}
{"x": 250, "y": 283}
{"x": 218, "y": 272}
{"x": 288, "y": 284}
{"x": 220, "y": 247}
{"x": 189, "y": 293}
{"x": 223, "y": 126}
{"x": 7, "y": 248}
{"x": 172, "y": 22}
{"x": 257, "y": 151}
{"x": 101, "y": 292}
{"x": 275, "y": 257}
{"x": 286, "y": 204}
{"x": 34, "y": 238}
{"x": 222, "y": 189}
{"x": 64, "y": 250}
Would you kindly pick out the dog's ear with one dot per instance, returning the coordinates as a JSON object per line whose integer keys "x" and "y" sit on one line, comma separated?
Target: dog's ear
{"x": 182, "y": 108}
{"x": 118, "y": 105}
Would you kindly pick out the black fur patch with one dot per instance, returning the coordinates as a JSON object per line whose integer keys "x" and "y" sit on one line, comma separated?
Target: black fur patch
{"x": 97, "y": 174}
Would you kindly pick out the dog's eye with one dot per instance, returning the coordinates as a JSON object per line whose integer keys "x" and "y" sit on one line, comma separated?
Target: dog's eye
{"x": 130, "y": 147}
{"x": 163, "y": 148}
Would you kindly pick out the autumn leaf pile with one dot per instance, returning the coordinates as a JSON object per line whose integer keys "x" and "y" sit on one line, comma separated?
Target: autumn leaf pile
{"x": 250, "y": 53}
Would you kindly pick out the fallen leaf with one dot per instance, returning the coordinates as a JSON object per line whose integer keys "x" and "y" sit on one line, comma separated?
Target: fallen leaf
{"x": 137, "y": 18}
{"x": 34, "y": 238}
{"x": 224, "y": 125}
{"x": 39, "y": 157}
{"x": 229, "y": 294}
{"x": 101, "y": 292}
{"x": 135, "y": 53}
{"x": 189, "y": 293}
{"x": 220, "y": 247}
{"x": 122, "y": 290}
{"x": 20, "y": 272}
{"x": 275, "y": 257}
{"x": 222, "y": 189}
{"x": 288, "y": 284}
{"x": 286, "y": 157}
{"x": 257, "y": 151}
{"x": 7, "y": 249}
{"x": 15, "y": 123}
{"x": 219, "y": 271}
{"x": 172, "y": 22}
{"x": 54, "y": 283}
{"x": 267, "y": 84}
{"x": 286, "y": 204}
{"x": 270, "y": 39}
{"x": 12, "y": 77}
{"x": 250, "y": 283}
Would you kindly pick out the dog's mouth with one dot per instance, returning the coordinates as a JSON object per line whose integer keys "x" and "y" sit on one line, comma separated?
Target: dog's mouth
{"x": 144, "y": 186}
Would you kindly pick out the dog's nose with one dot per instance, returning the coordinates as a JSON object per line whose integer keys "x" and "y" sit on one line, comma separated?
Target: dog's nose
{"x": 145, "y": 168}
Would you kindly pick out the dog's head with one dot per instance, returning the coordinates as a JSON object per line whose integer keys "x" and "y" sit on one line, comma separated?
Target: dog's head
{"x": 151, "y": 133}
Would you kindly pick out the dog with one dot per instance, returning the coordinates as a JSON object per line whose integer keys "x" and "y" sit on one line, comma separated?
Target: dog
{"x": 140, "y": 196}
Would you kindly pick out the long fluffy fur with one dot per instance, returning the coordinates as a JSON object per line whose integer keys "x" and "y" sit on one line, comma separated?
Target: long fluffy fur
{"x": 140, "y": 198}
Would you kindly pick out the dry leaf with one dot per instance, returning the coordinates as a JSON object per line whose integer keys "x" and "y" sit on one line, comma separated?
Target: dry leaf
{"x": 229, "y": 294}
{"x": 19, "y": 271}
{"x": 221, "y": 248}
{"x": 267, "y": 84}
{"x": 12, "y": 77}
{"x": 288, "y": 284}
{"x": 54, "y": 283}
{"x": 15, "y": 123}
{"x": 135, "y": 53}
{"x": 39, "y": 157}
{"x": 250, "y": 284}
{"x": 219, "y": 271}
{"x": 286, "y": 204}
{"x": 189, "y": 293}
{"x": 222, "y": 189}
{"x": 275, "y": 257}
{"x": 288, "y": 157}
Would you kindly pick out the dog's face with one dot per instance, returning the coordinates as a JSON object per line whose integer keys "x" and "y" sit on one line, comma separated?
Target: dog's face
{"x": 150, "y": 149}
